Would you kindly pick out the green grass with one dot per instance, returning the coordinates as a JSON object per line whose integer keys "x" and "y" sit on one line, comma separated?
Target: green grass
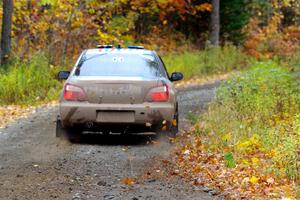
{"x": 210, "y": 61}
{"x": 28, "y": 82}
{"x": 255, "y": 114}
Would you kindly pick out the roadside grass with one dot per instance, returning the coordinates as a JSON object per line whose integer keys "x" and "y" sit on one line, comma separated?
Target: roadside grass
{"x": 28, "y": 82}
{"x": 254, "y": 127}
{"x": 258, "y": 110}
{"x": 210, "y": 61}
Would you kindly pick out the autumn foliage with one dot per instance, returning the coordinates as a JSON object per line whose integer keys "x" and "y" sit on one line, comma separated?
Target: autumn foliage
{"x": 62, "y": 29}
{"x": 272, "y": 37}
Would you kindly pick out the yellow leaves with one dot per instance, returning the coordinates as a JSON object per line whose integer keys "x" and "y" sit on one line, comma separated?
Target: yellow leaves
{"x": 254, "y": 180}
{"x": 284, "y": 3}
{"x": 255, "y": 160}
{"x": 226, "y": 137}
{"x": 204, "y": 7}
{"x": 271, "y": 153}
{"x": 105, "y": 38}
{"x": 278, "y": 4}
{"x": 245, "y": 161}
{"x": 249, "y": 144}
{"x": 162, "y": 1}
{"x": 245, "y": 146}
{"x": 124, "y": 1}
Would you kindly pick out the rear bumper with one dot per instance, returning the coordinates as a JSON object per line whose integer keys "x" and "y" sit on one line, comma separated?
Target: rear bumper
{"x": 80, "y": 113}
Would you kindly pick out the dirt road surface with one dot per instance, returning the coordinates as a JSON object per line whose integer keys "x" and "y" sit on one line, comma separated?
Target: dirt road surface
{"x": 36, "y": 165}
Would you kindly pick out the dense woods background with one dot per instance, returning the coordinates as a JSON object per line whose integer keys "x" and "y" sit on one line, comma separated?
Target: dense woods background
{"x": 62, "y": 28}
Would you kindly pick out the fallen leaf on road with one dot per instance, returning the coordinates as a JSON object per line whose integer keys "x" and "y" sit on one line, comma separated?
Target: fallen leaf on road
{"x": 128, "y": 181}
{"x": 154, "y": 142}
{"x": 13, "y": 112}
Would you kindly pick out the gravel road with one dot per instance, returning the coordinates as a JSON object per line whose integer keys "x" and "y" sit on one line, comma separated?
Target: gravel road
{"x": 36, "y": 165}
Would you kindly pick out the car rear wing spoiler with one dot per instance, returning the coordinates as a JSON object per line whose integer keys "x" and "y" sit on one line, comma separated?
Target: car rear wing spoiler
{"x": 109, "y": 46}
{"x": 101, "y": 46}
{"x": 135, "y": 47}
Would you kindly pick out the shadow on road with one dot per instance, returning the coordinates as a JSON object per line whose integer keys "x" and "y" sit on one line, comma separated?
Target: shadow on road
{"x": 113, "y": 140}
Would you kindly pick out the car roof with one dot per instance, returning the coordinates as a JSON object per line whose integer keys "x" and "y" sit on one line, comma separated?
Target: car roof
{"x": 119, "y": 51}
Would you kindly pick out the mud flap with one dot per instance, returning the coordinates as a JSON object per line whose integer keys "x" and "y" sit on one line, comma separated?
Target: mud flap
{"x": 68, "y": 133}
{"x": 174, "y": 125}
{"x": 60, "y": 131}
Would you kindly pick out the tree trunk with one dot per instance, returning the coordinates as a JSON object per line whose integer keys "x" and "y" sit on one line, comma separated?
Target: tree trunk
{"x": 6, "y": 30}
{"x": 29, "y": 8}
{"x": 215, "y": 23}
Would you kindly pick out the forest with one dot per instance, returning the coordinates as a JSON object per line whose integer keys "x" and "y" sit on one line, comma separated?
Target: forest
{"x": 247, "y": 142}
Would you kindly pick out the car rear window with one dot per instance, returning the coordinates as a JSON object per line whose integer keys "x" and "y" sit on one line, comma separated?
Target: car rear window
{"x": 120, "y": 65}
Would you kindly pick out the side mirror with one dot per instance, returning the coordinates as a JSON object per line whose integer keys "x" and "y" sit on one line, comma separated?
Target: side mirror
{"x": 176, "y": 76}
{"x": 63, "y": 75}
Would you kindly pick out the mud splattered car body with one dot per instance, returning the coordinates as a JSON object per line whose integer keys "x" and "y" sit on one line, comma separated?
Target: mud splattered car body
{"x": 111, "y": 88}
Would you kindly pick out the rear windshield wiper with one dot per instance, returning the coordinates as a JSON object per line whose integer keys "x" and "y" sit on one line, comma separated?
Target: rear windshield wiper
{"x": 83, "y": 60}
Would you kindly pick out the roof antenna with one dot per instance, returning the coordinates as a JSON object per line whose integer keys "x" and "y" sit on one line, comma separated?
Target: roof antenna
{"x": 119, "y": 46}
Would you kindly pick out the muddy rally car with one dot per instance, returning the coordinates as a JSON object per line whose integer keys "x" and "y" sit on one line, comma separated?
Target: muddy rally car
{"x": 122, "y": 90}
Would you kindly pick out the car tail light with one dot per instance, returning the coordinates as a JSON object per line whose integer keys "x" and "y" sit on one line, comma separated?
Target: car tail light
{"x": 74, "y": 93}
{"x": 158, "y": 94}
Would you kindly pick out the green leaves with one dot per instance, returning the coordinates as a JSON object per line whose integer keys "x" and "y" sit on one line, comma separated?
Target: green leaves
{"x": 229, "y": 160}
{"x": 234, "y": 16}
{"x": 49, "y": 2}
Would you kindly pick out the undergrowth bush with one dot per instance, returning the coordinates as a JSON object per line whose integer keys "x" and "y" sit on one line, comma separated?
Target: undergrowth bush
{"x": 28, "y": 82}
{"x": 271, "y": 40}
{"x": 255, "y": 116}
{"x": 208, "y": 61}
